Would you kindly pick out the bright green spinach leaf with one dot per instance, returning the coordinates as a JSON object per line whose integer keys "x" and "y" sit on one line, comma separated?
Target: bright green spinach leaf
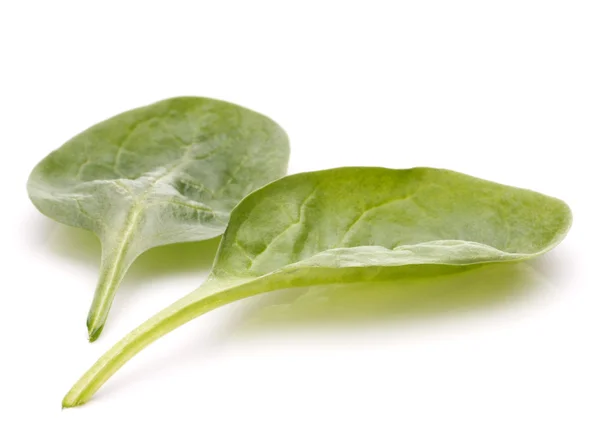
{"x": 164, "y": 173}
{"x": 351, "y": 225}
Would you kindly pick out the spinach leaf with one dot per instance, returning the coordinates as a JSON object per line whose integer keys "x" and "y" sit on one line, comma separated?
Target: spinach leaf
{"x": 164, "y": 173}
{"x": 352, "y": 225}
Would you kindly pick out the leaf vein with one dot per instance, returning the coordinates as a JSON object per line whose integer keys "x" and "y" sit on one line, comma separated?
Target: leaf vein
{"x": 366, "y": 212}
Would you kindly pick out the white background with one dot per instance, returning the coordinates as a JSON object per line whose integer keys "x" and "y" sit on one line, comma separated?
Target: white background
{"x": 504, "y": 90}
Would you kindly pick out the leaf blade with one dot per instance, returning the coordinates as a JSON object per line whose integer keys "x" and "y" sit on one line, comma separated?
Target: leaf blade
{"x": 292, "y": 216}
{"x": 165, "y": 173}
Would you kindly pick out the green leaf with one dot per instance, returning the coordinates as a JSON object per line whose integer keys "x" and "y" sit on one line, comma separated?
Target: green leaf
{"x": 165, "y": 173}
{"x": 352, "y": 225}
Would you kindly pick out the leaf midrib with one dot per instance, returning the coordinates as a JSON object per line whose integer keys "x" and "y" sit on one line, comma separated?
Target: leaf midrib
{"x": 138, "y": 205}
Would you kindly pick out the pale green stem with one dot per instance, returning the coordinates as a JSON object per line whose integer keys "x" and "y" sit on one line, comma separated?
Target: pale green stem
{"x": 114, "y": 265}
{"x": 209, "y": 296}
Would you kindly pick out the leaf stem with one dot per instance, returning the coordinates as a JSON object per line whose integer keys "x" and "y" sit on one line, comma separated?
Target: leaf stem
{"x": 113, "y": 267}
{"x": 117, "y": 256}
{"x": 213, "y": 294}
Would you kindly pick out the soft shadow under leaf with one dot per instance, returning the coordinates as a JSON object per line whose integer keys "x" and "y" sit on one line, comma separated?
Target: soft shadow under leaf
{"x": 75, "y": 244}
{"x": 480, "y": 288}
{"x": 188, "y": 257}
